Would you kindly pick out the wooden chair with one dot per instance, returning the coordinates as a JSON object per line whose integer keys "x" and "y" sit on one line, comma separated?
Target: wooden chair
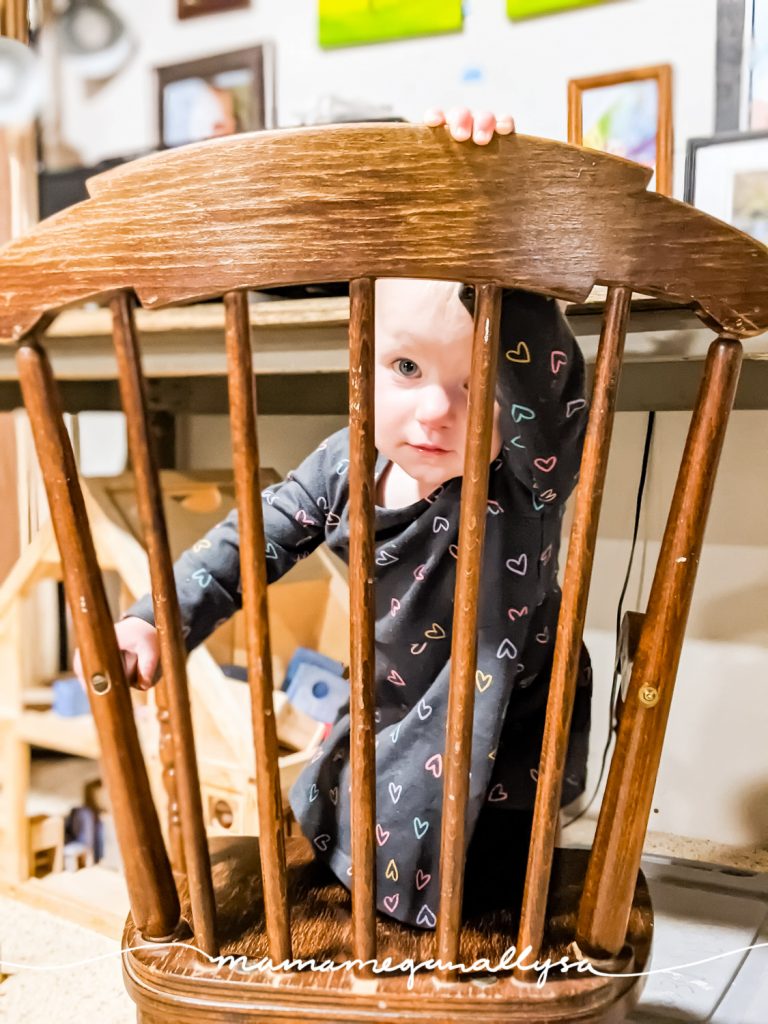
{"x": 356, "y": 203}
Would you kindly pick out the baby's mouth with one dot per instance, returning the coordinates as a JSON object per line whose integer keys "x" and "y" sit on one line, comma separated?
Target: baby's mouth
{"x": 430, "y": 449}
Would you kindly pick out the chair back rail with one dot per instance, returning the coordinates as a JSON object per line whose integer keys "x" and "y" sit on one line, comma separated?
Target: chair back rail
{"x": 461, "y": 695}
{"x": 362, "y": 680}
{"x": 168, "y": 621}
{"x": 626, "y": 805}
{"x": 245, "y": 454}
{"x": 152, "y": 892}
{"x": 355, "y": 203}
{"x": 573, "y": 609}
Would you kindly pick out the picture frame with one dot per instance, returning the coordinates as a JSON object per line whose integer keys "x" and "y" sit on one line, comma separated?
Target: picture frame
{"x": 195, "y": 8}
{"x": 726, "y": 175}
{"x": 218, "y": 95}
{"x": 628, "y": 113}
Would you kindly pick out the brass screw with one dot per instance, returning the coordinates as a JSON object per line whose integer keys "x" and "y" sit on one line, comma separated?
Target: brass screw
{"x": 100, "y": 683}
{"x": 649, "y": 696}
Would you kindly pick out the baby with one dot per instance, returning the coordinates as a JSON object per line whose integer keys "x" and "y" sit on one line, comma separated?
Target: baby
{"x": 423, "y": 349}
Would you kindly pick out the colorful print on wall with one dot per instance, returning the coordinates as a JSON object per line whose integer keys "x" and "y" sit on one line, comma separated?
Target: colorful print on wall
{"x": 519, "y": 9}
{"x": 628, "y": 114}
{"x": 355, "y": 22}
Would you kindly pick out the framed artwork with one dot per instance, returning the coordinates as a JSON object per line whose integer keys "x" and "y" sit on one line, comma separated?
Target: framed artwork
{"x": 218, "y": 95}
{"x": 519, "y": 9}
{"x": 727, "y": 177}
{"x": 354, "y": 22}
{"x": 629, "y": 114}
{"x": 192, "y": 8}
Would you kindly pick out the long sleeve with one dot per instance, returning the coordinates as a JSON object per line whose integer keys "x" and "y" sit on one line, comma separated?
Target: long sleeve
{"x": 207, "y": 575}
{"x": 541, "y": 393}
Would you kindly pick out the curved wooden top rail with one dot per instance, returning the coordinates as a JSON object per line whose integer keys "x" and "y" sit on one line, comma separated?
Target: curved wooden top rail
{"x": 338, "y": 202}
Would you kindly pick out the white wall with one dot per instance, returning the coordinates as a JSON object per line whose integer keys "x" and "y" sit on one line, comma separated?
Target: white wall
{"x": 524, "y": 66}
{"x": 712, "y": 782}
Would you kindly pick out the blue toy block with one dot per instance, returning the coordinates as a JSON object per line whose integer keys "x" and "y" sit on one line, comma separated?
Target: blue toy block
{"x": 70, "y": 698}
{"x": 316, "y": 690}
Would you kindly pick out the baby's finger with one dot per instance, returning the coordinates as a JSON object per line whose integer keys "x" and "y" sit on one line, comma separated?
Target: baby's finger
{"x": 460, "y": 123}
{"x": 505, "y": 125}
{"x": 434, "y": 117}
{"x": 485, "y": 122}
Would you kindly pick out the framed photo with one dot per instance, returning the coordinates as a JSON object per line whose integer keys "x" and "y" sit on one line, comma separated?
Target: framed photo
{"x": 519, "y": 9}
{"x": 727, "y": 177}
{"x": 354, "y": 22}
{"x": 219, "y": 95}
{"x": 192, "y": 8}
{"x": 629, "y": 114}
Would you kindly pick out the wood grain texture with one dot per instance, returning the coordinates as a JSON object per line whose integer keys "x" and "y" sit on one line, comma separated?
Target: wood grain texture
{"x": 154, "y": 902}
{"x": 461, "y": 694}
{"x": 340, "y": 202}
{"x": 168, "y": 621}
{"x": 362, "y": 607}
{"x": 174, "y": 985}
{"x": 573, "y": 610}
{"x": 245, "y": 460}
{"x": 626, "y": 806}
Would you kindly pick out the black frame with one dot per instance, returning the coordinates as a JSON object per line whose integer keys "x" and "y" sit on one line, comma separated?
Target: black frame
{"x": 251, "y": 59}
{"x": 694, "y": 145}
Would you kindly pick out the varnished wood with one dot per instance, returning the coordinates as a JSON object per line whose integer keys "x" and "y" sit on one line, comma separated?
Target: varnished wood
{"x": 338, "y": 202}
{"x": 362, "y": 680}
{"x": 662, "y": 73}
{"x": 168, "y": 622}
{"x": 167, "y": 760}
{"x": 626, "y": 806}
{"x": 573, "y": 610}
{"x": 461, "y": 695}
{"x": 151, "y": 889}
{"x": 245, "y": 457}
{"x": 169, "y": 985}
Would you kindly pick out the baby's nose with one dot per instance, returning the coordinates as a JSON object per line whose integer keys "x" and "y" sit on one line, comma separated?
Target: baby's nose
{"x": 434, "y": 404}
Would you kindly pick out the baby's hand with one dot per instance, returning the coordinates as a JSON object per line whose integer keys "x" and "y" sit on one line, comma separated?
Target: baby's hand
{"x": 467, "y": 124}
{"x": 140, "y": 649}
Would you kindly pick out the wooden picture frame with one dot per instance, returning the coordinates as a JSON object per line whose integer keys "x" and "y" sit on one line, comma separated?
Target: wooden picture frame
{"x": 661, "y": 75}
{"x": 238, "y": 76}
{"x": 194, "y": 8}
{"x": 740, "y": 160}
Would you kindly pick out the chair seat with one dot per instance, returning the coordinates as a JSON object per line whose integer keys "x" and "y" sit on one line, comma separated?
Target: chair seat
{"x": 178, "y": 984}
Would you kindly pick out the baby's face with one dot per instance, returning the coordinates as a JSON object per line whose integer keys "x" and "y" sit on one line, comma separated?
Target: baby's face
{"x": 423, "y": 359}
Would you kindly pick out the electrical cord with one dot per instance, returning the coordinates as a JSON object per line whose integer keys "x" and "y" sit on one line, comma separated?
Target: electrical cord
{"x": 613, "y": 723}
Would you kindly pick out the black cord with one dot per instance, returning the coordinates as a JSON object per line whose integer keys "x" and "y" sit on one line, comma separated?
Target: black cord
{"x": 613, "y": 723}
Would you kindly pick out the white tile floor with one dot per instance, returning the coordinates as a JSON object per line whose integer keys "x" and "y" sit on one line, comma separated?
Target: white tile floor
{"x": 702, "y": 912}
{"x": 699, "y": 912}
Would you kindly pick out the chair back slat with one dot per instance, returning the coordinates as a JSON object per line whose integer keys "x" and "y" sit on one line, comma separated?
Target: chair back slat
{"x": 245, "y": 458}
{"x": 151, "y": 888}
{"x": 626, "y": 806}
{"x": 461, "y": 695}
{"x": 362, "y": 679}
{"x": 168, "y": 623}
{"x": 573, "y": 610}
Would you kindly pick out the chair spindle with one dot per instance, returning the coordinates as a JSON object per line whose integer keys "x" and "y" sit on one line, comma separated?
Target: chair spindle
{"x": 151, "y": 888}
{"x": 623, "y": 820}
{"x": 245, "y": 453}
{"x": 461, "y": 698}
{"x": 362, "y": 458}
{"x": 168, "y": 621}
{"x": 570, "y": 628}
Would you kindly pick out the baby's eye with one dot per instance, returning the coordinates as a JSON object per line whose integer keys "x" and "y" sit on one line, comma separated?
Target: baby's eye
{"x": 407, "y": 368}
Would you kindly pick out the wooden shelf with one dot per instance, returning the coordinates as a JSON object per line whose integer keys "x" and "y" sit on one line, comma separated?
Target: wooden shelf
{"x": 296, "y": 340}
{"x": 54, "y": 732}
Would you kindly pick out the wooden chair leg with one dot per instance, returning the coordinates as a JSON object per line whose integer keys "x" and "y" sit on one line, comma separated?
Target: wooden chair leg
{"x": 612, "y": 874}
